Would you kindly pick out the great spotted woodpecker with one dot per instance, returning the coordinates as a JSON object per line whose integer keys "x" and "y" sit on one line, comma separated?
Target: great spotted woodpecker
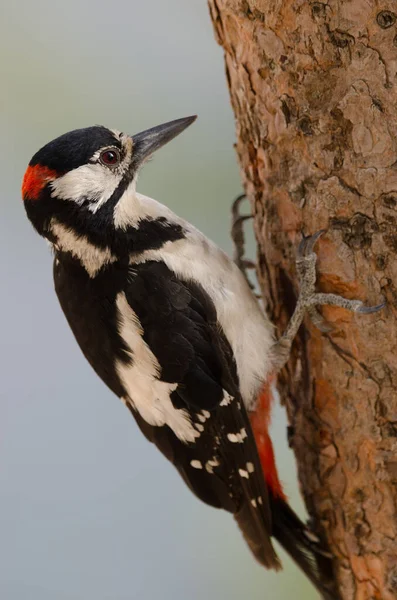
{"x": 169, "y": 323}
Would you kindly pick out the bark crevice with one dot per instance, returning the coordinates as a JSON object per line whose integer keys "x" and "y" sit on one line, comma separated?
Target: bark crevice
{"x": 313, "y": 88}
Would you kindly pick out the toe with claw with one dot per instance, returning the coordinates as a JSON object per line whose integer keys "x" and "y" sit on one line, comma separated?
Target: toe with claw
{"x": 309, "y": 299}
{"x": 238, "y": 237}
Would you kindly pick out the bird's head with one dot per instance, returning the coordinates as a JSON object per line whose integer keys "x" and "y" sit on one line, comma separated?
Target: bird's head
{"x": 78, "y": 180}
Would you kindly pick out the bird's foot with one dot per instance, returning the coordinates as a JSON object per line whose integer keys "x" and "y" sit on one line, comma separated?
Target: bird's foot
{"x": 238, "y": 238}
{"x": 309, "y": 300}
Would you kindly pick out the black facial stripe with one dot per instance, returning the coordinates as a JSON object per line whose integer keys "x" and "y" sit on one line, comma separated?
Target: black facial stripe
{"x": 75, "y": 148}
{"x": 150, "y": 234}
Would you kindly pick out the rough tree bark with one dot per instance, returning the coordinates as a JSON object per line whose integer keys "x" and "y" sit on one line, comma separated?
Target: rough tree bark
{"x": 313, "y": 87}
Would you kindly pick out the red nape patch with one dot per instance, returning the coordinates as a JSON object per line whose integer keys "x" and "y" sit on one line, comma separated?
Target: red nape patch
{"x": 260, "y": 421}
{"x": 35, "y": 179}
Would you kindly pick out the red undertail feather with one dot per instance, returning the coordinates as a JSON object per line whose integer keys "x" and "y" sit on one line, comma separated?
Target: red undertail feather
{"x": 260, "y": 421}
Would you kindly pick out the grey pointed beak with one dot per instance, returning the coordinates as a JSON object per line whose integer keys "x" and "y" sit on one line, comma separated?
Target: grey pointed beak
{"x": 147, "y": 142}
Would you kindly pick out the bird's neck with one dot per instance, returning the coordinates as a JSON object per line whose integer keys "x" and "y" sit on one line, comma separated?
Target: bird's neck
{"x": 136, "y": 225}
{"x": 68, "y": 243}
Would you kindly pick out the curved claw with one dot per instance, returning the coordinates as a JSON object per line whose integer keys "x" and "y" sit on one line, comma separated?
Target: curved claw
{"x": 237, "y": 222}
{"x": 238, "y": 237}
{"x": 367, "y": 310}
{"x": 308, "y": 242}
{"x": 237, "y": 202}
{"x": 319, "y": 321}
{"x": 246, "y": 263}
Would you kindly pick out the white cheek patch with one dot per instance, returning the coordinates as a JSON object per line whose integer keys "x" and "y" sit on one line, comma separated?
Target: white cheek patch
{"x": 93, "y": 182}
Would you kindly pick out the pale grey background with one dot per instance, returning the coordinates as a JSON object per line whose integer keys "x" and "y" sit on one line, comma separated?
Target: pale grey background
{"x": 88, "y": 509}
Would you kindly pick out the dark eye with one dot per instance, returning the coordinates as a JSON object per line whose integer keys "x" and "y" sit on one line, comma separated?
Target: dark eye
{"x": 110, "y": 158}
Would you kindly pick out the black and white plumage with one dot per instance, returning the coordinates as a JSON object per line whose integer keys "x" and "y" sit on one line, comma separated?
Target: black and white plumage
{"x": 168, "y": 322}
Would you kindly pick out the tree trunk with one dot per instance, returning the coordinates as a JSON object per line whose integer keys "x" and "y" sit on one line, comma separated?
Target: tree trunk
{"x": 313, "y": 88}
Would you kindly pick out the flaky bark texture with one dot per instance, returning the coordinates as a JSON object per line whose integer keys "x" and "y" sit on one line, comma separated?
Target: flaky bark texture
{"x": 313, "y": 87}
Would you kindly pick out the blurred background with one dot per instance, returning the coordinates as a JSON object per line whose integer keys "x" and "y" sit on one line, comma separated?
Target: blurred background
{"x": 88, "y": 508}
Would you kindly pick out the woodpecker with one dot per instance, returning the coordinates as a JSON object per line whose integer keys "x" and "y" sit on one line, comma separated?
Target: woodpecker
{"x": 169, "y": 323}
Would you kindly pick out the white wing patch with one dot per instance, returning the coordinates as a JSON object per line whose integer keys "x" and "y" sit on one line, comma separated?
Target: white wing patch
{"x": 237, "y": 438}
{"x": 196, "y": 464}
{"x": 149, "y": 396}
{"x": 227, "y": 399}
